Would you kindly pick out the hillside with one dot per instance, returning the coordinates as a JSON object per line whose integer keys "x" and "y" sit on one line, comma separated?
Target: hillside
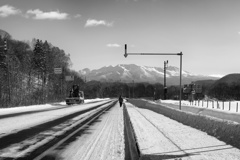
{"x": 207, "y": 83}
{"x": 229, "y": 79}
{"x": 226, "y": 88}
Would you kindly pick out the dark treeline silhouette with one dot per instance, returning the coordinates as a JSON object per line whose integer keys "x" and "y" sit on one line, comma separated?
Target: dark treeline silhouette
{"x": 225, "y": 88}
{"x": 224, "y": 91}
{"x": 96, "y": 89}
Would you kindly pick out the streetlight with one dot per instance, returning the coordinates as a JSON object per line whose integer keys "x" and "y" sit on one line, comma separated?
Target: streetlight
{"x": 178, "y": 54}
{"x": 164, "y": 86}
{"x": 154, "y": 94}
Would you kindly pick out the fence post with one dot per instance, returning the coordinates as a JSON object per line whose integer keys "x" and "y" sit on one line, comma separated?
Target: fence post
{"x": 212, "y": 104}
{"x": 229, "y": 108}
{"x": 237, "y": 108}
{"x": 202, "y": 103}
{"x": 223, "y": 105}
{"x": 207, "y": 103}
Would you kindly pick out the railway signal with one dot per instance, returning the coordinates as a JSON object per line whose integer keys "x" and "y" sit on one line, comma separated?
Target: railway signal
{"x": 125, "y": 55}
{"x": 164, "y": 84}
{"x": 5, "y": 45}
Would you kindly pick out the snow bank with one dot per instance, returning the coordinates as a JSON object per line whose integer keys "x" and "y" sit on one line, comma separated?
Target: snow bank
{"x": 228, "y": 106}
{"x": 12, "y": 110}
{"x": 226, "y": 131}
{"x": 218, "y": 113}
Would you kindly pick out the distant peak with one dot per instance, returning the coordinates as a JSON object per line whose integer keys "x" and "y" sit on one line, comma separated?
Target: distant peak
{"x": 216, "y": 75}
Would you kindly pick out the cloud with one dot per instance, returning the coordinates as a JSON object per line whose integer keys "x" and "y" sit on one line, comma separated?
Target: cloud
{"x": 77, "y": 16}
{"x": 38, "y": 14}
{"x": 113, "y": 45}
{"x": 8, "y": 10}
{"x": 93, "y": 23}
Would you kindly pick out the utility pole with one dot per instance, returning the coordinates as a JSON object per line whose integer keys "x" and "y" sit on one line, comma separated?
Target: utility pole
{"x": 133, "y": 88}
{"x": 165, "y": 86}
{"x": 154, "y": 94}
{"x": 178, "y": 54}
{"x": 128, "y": 91}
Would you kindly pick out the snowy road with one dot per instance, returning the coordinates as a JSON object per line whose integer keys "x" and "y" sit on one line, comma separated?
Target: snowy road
{"x": 22, "y": 118}
{"x": 102, "y": 140}
{"x": 29, "y": 131}
{"x": 159, "y": 137}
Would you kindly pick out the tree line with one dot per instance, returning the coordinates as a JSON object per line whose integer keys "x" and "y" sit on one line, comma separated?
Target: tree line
{"x": 224, "y": 91}
{"x": 94, "y": 89}
{"x": 27, "y": 72}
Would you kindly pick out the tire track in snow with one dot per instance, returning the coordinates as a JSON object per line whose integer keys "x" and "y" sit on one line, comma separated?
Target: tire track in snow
{"x": 102, "y": 140}
{"x": 91, "y": 146}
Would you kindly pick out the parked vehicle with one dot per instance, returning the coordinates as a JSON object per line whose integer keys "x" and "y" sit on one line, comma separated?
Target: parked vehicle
{"x": 75, "y": 96}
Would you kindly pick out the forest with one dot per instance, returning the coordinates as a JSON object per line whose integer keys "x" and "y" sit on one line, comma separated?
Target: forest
{"x": 27, "y": 72}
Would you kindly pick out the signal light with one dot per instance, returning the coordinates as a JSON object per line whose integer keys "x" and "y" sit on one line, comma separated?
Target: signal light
{"x": 125, "y": 55}
{"x": 5, "y": 45}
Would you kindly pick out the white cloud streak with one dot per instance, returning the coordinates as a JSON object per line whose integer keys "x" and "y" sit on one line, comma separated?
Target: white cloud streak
{"x": 40, "y": 15}
{"x": 113, "y": 45}
{"x": 94, "y": 23}
{"x": 8, "y": 10}
{"x": 77, "y": 16}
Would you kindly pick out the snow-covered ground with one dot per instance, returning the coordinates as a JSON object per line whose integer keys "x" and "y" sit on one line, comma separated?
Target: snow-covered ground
{"x": 160, "y": 137}
{"x": 13, "y": 124}
{"x": 12, "y": 110}
{"x": 229, "y": 106}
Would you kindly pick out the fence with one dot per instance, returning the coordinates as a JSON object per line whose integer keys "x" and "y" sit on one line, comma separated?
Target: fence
{"x": 232, "y": 106}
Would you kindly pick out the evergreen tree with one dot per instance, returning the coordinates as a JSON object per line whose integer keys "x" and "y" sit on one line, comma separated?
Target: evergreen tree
{"x": 39, "y": 57}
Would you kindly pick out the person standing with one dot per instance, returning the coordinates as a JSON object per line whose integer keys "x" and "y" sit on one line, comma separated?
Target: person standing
{"x": 120, "y": 99}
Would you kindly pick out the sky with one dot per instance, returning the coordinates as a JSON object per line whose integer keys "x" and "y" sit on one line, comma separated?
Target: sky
{"x": 94, "y": 32}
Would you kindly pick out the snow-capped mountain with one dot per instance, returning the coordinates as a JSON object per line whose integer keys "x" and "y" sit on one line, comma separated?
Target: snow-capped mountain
{"x": 131, "y": 72}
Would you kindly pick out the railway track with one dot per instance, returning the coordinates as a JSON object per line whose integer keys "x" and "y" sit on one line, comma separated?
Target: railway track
{"x": 40, "y": 141}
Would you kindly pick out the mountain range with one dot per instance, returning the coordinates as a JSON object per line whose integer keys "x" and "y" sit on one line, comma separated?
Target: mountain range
{"x": 128, "y": 73}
